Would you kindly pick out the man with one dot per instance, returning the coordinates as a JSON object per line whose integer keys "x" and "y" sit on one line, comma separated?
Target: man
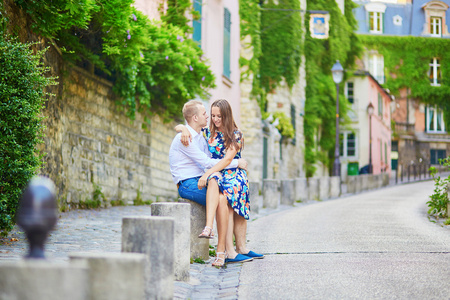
{"x": 187, "y": 164}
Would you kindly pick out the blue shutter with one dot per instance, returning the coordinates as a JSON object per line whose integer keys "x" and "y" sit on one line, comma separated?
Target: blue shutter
{"x": 197, "y": 24}
{"x": 226, "y": 43}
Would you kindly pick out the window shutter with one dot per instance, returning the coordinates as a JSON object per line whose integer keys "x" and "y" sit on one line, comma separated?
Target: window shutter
{"x": 382, "y": 23}
{"x": 294, "y": 140}
{"x": 226, "y": 43}
{"x": 197, "y": 24}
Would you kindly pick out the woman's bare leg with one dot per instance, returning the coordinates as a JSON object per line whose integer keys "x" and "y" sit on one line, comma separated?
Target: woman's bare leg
{"x": 212, "y": 202}
{"x": 240, "y": 231}
{"x": 222, "y": 223}
{"x": 229, "y": 239}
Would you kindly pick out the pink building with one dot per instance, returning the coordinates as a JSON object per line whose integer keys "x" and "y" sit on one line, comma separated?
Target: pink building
{"x": 218, "y": 34}
{"x": 368, "y": 140}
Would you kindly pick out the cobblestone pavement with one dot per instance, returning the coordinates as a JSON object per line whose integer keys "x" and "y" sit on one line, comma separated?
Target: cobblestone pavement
{"x": 100, "y": 230}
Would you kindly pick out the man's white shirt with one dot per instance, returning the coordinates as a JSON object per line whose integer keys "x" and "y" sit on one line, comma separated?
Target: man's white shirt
{"x": 192, "y": 160}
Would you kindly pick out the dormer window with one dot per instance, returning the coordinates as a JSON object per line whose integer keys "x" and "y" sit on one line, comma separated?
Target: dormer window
{"x": 375, "y": 13}
{"x": 436, "y": 26}
{"x": 435, "y": 23}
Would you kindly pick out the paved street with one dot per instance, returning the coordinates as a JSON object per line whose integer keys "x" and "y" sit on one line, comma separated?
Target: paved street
{"x": 378, "y": 244}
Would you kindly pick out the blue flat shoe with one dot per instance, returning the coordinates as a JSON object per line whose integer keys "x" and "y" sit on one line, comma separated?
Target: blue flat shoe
{"x": 254, "y": 255}
{"x": 238, "y": 259}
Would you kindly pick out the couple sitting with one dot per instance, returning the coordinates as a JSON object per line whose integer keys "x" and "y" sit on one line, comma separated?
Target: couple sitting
{"x": 227, "y": 195}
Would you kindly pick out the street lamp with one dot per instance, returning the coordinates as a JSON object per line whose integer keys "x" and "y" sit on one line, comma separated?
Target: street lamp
{"x": 338, "y": 75}
{"x": 370, "y": 111}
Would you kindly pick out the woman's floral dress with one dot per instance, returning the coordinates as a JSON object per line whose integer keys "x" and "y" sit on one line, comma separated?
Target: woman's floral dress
{"x": 233, "y": 183}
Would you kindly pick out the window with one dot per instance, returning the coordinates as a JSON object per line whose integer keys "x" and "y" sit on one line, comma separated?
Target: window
{"x": 349, "y": 92}
{"x": 226, "y": 43}
{"x": 376, "y": 67}
{"x": 436, "y": 155}
{"x": 376, "y": 22}
{"x": 434, "y": 72}
{"x": 436, "y": 26}
{"x": 348, "y": 144}
{"x": 197, "y": 24}
{"x": 435, "y": 120}
{"x": 435, "y": 18}
{"x": 380, "y": 105}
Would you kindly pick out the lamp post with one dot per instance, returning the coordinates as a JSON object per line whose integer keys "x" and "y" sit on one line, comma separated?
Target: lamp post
{"x": 370, "y": 110}
{"x": 338, "y": 75}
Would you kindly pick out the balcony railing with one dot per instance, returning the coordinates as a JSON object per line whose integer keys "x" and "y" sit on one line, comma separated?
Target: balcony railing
{"x": 404, "y": 128}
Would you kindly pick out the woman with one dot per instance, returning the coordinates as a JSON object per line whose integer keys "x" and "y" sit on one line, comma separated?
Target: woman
{"x": 225, "y": 141}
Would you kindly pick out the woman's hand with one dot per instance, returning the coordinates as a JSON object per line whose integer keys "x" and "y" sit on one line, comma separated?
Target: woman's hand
{"x": 186, "y": 137}
{"x": 202, "y": 181}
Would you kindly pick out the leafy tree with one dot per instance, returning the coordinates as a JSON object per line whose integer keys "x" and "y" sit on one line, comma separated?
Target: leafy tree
{"x": 22, "y": 94}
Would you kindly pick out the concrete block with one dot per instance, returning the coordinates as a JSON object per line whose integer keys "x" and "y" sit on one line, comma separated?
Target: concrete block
{"x": 385, "y": 179}
{"x": 43, "y": 280}
{"x": 358, "y": 184}
{"x": 351, "y": 184}
{"x": 377, "y": 181}
{"x": 154, "y": 237}
{"x": 287, "y": 191}
{"x": 271, "y": 193}
{"x": 324, "y": 188}
{"x": 364, "y": 182}
{"x": 199, "y": 247}
{"x": 313, "y": 188}
{"x": 255, "y": 197}
{"x": 114, "y": 276}
{"x": 301, "y": 189}
{"x": 181, "y": 212}
{"x": 335, "y": 186}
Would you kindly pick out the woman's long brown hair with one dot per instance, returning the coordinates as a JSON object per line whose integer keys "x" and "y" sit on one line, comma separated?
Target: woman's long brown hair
{"x": 228, "y": 124}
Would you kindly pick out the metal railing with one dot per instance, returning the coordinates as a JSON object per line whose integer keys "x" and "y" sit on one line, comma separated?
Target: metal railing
{"x": 402, "y": 128}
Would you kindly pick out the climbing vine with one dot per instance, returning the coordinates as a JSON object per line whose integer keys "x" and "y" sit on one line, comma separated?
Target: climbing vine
{"x": 411, "y": 70}
{"x": 276, "y": 41}
{"x": 320, "y": 106}
{"x": 154, "y": 66}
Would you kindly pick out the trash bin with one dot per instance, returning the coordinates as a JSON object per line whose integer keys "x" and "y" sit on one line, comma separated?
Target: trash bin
{"x": 352, "y": 169}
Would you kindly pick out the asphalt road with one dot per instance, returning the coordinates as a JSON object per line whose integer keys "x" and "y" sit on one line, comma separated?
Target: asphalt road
{"x": 374, "y": 245}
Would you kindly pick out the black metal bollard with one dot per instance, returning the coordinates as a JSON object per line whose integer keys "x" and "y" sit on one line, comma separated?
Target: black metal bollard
{"x": 37, "y": 214}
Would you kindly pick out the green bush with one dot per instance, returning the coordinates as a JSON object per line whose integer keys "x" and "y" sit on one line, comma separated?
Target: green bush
{"x": 22, "y": 94}
{"x": 154, "y": 66}
{"x": 439, "y": 199}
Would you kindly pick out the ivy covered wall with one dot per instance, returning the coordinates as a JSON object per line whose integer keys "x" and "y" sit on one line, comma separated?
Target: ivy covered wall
{"x": 411, "y": 71}
{"x": 154, "y": 66}
{"x": 320, "y": 106}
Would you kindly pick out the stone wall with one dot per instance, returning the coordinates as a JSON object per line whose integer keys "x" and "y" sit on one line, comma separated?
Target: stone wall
{"x": 100, "y": 144}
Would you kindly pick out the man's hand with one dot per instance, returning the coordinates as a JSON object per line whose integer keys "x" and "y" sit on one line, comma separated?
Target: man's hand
{"x": 202, "y": 181}
{"x": 242, "y": 164}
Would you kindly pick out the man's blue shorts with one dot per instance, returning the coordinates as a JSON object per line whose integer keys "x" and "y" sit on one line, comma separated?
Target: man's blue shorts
{"x": 189, "y": 190}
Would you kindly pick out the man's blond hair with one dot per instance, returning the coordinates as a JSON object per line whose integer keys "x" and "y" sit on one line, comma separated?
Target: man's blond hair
{"x": 190, "y": 109}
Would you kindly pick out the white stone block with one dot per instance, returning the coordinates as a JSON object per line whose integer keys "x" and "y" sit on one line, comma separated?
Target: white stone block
{"x": 181, "y": 212}
{"x": 301, "y": 189}
{"x": 114, "y": 276}
{"x": 154, "y": 237}
{"x": 288, "y": 191}
{"x": 335, "y": 186}
{"x": 199, "y": 247}
{"x": 324, "y": 188}
{"x": 36, "y": 279}
{"x": 313, "y": 188}
{"x": 271, "y": 193}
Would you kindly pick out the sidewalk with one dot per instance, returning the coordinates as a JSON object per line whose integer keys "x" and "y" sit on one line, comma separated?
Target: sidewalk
{"x": 99, "y": 230}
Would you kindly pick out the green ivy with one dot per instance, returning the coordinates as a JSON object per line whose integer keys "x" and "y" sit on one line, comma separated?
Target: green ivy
{"x": 320, "y": 106}
{"x": 276, "y": 41}
{"x": 281, "y": 43}
{"x": 22, "y": 95}
{"x": 284, "y": 123}
{"x": 153, "y": 66}
{"x": 250, "y": 23}
{"x": 412, "y": 70}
